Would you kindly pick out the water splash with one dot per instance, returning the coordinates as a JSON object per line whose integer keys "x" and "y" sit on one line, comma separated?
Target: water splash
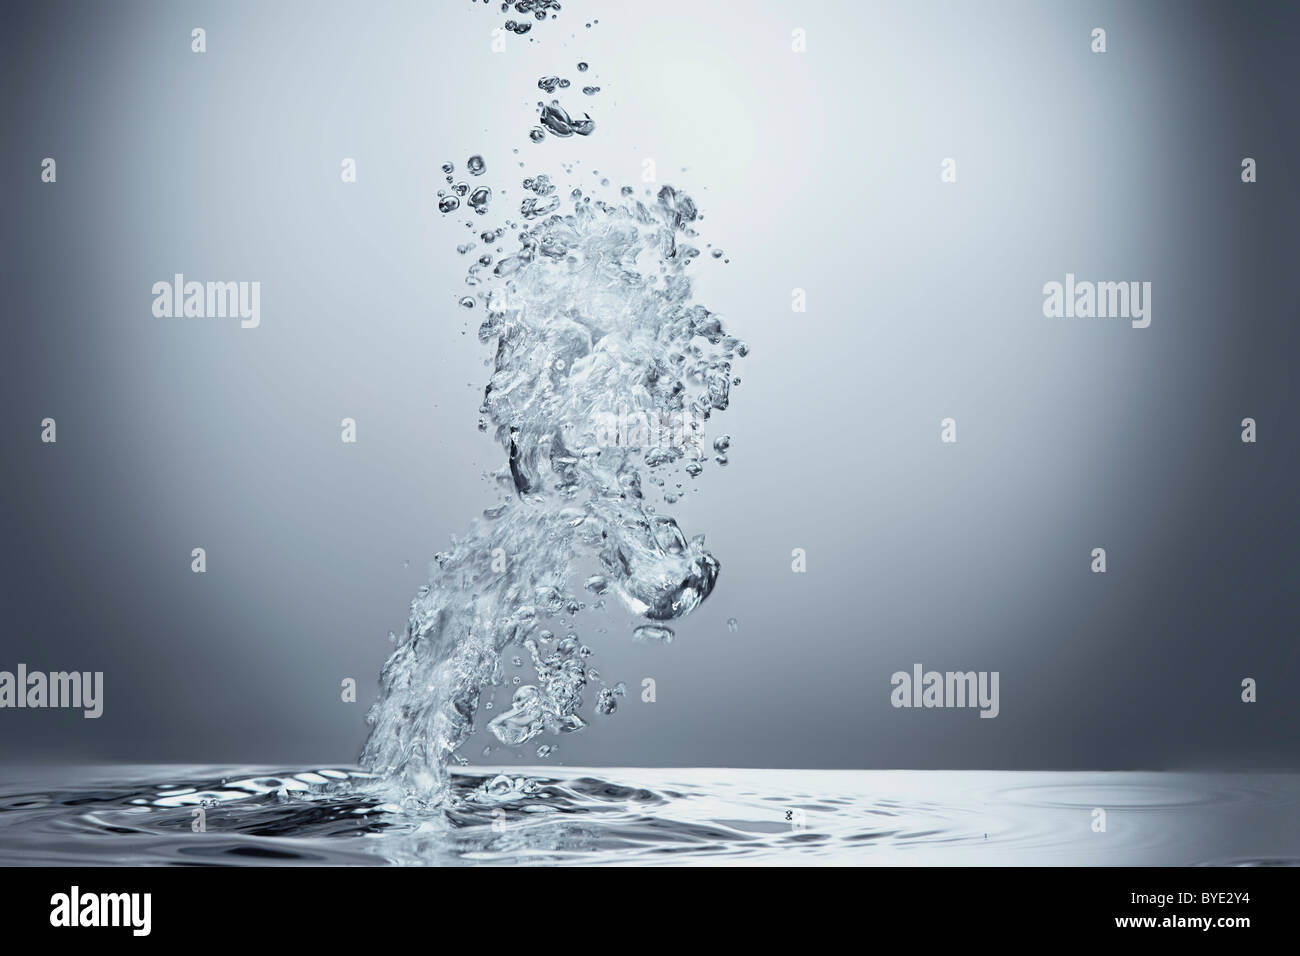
{"x": 593, "y": 326}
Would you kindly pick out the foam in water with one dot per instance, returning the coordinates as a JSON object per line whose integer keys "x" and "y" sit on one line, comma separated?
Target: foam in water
{"x": 593, "y": 326}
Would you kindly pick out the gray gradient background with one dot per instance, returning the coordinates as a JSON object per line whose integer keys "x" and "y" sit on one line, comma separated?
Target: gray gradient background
{"x": 819, "y": 171}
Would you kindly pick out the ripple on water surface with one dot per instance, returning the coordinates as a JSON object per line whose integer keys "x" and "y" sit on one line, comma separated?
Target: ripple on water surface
{"x": 637, "y": 816}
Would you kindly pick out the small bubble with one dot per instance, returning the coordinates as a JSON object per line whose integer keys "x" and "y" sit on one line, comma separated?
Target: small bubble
{"x": 653, "y": 633}
{"x": 478, "y": 200}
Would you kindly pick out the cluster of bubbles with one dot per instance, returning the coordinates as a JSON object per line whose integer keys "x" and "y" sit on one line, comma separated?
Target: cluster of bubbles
{"x": 589, "y": 313}
{"x": 528, "y": 12}
{"x": 538, "y": 9}
{"x": 553, "y": 118}
{"x": 476, "y": 198}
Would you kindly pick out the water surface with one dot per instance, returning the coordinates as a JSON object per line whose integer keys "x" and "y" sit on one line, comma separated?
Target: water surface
{"x": 627, "y": 816}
